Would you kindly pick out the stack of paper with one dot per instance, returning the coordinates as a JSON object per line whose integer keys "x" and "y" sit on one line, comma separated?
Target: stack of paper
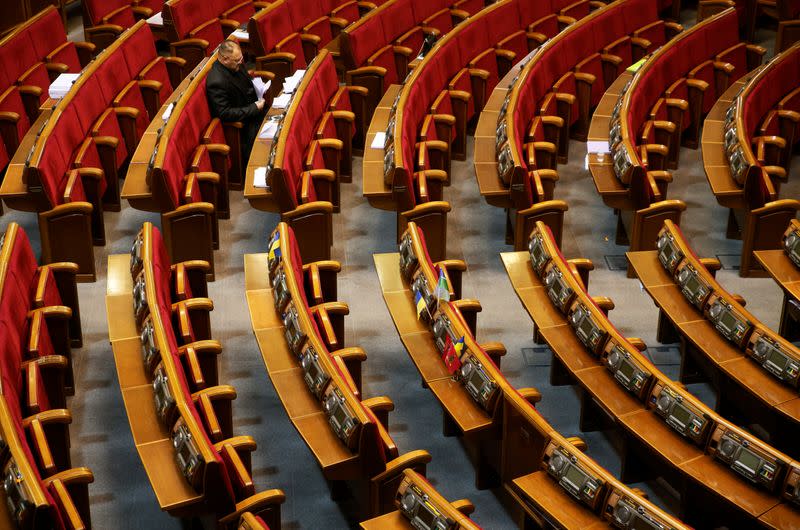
{"x": 240, "y": 34}
{"x": 378, "y": 141}
{"x": 282, "y": 101}
{"x": 260, "y": 178}
{"x": 168, "y": 111}
{"x": 593, "y": 146}
{"x": 156, "y": 20}
{"x": 60, "y": 87}
{"x": 261, "y": 86}
{"x": 269, "y": 130}
{"x": 290, "y": 83}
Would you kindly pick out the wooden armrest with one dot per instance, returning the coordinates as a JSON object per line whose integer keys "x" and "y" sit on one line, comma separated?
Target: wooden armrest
{"x": 494, "y": 349}
{"x": 605, "y": 303}
{"x": 452, "y": 265}
{"x": 739, "y": 299}
{"x": 464, "y": 506}
{"x": 712, "y": 265}
{"x": 637, "y": 343}
{"x": 578, "y": 443}
{"x": 405, "y": 461}
{"x": 531, "y": 395}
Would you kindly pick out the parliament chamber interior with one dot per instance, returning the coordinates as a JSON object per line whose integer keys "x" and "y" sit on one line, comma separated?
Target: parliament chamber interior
{"x": 480, "y": 264}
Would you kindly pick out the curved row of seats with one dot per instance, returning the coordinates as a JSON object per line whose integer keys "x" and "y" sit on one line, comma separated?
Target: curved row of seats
{"x": 287, "y": 35}
{"x": 783, "y": 265}
{"x": 40, "y": 320}
{"x": 185, "y": 166}
{"x": 376, "y": 50}
{"x": 79, "y": 149}
{"x": 558, "y": 88}
{"x": 748, "y": 140}
{"x": 668, "y": 432}
{"x": 171, "y": 310}
{"x": 523, "y": 452}
{"x": 785, "y": 12}
{"x": 105, "y": 20}
{"x": 33, "y": 54}
{"x": 299, "y": 326}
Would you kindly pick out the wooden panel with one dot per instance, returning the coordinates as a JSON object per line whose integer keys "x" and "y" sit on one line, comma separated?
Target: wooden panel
{"x": 469, "y": 416}
{"x": 171, "y": 488}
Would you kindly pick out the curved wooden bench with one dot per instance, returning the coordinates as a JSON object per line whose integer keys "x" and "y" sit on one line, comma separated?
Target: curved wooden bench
{"x": 299, "y": 328}
{"x": 748, "y": 139}
{"x": 784, "y": 267}
{"x": 716, "y": 345}
{"x": 667, "y": 431}
{"x": 180, "y": 417}
{"x": 513, "y": 445}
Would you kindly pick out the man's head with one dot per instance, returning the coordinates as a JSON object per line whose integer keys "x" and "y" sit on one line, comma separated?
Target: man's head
{"x": 230, "y": 55}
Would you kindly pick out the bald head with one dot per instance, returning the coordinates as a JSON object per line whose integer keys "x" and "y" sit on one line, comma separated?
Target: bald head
{"x": 230, "y": 54}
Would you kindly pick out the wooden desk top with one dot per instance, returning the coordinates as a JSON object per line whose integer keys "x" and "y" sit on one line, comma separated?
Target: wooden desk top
{"x": 390, "y": 521}
{"x": 151, "y": 438}
{"x": 651, "y": 430}
{"x": 737, "y": 491}
{"x": 303, "y": 409}
{"x": 484, "y": 154}
{"x": 530, "y": 290}
{"x": 543, "y": 497}
{"x": 780, "y": 267}
{"x": 260, "y": 198}
{"x": 375, "y": 189}
{"x": 418, "y": 341}
{"x": 781, "y": 517}
{"x": 715, "y": 162}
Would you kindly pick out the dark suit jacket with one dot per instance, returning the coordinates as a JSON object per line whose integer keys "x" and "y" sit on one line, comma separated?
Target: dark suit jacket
{"x": 232, "y": 97}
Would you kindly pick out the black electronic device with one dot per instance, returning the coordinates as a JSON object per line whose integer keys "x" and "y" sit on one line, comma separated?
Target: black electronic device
{"x": 586, "y": 327}
{"x": 693, "y": 286}
{"x": 341, "y": 418}
{"x": 417, "y": 507}
{"x": 314, "y": 374}
{"x": 729, "y": 321}
{"x": 477, "y": 382}
{"x": 187, "y": 454}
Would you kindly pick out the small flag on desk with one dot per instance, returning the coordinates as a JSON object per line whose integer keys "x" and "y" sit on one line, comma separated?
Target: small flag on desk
{"x": 274, "y": 249}
{"x": 452, "y": 359}
{"x": 420, "y": 303}
{"x": 442, "y": 289}
{"x": 459, "y": 346}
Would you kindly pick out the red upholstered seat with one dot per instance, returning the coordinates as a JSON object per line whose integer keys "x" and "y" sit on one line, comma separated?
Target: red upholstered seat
{"x": 11, "y": 102}
{"x": 117, "y": 12}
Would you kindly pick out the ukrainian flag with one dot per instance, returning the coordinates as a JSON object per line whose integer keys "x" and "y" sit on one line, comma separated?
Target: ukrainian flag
{"x": 420, "y": 303}
{"x": 275, "y": 249}
{"x": 459, "y": 346}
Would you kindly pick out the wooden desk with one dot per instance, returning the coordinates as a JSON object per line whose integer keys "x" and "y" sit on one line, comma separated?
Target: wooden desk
{"x": 613, "y": 192}
{"x": 484, "y": 156}
{"x": 743, "y": 387}
{"x": 260, "y": 198}
{"x": 375, "y": 189}
{"x": 457, "y": 404}
{"x": 715, "y": 162}
{"x": 786, "y": 273}
{"x": 541, "y": 498}
{"x": 683, "y": 464}
{"x": 136, "y": 186}
{"x": 152, "y": 440}
{"x": 304, "y": 410}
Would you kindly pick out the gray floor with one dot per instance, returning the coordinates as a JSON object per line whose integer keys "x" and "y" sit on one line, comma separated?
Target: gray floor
{"x": 121, "y": 496}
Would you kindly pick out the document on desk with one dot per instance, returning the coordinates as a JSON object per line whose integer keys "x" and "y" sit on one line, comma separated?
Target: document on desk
{"x": 282, "y": 101}
{"x": 61, "y": 85}
{"x": 601, "y": 146}
{"x": 156, "y": 20}
{"x": 260, "y": 178}
{"x": 260, "y": 86}
{"x": 269, "y": 130}
{"x": 379, "y": 140}
{"x": 240, "y": 34}
{"x": 290, "y": 83}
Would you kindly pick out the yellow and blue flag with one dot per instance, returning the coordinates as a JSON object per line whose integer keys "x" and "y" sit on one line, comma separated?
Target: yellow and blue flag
{"x": 442, "y": 289}
{"x": 420, "y": 303}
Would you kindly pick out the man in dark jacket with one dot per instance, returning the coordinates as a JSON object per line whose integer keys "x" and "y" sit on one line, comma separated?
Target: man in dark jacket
{"x": 232, "y": 96}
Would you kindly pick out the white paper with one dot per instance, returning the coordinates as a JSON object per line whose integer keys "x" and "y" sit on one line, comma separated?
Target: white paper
{"x": 269, "y": 129}
{"x": 168, "y": 112}
{"x": 260, "y": 177}
{"x": 597, "y": 146}
{"x": 61, "y": 85}
{"x": 240, "y": 34}
{"x": 261, "y": 86}
{"x": 586, "y": 162}
{"x": 282, "y": 101}
{"x": 290, "y": 83}
{"x": 156, "y": 20}
{"x": 378, "y": 141}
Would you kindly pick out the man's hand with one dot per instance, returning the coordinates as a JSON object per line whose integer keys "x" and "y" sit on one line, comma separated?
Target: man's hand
{"x": 260, "y": 104}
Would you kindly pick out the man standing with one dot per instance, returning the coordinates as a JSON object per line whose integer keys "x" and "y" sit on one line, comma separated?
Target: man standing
{"x": 232, "y": 96}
